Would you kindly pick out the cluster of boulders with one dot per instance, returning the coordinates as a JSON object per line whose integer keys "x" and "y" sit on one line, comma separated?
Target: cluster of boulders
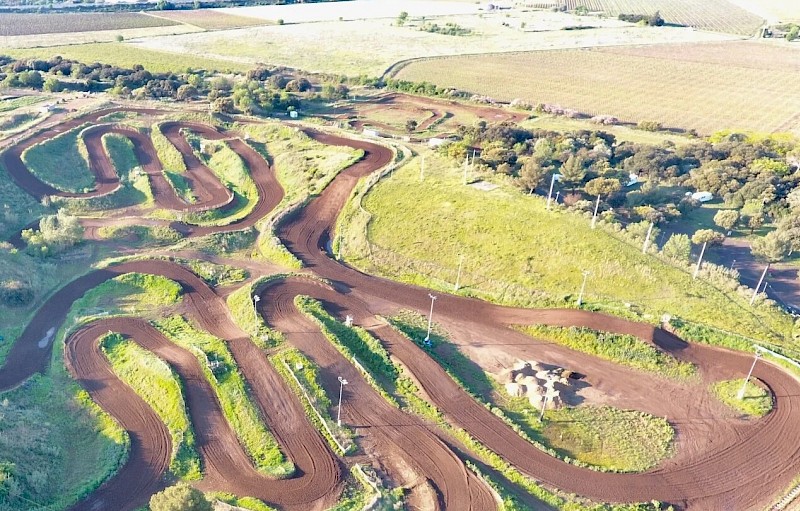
{"x": 530, "y": 380}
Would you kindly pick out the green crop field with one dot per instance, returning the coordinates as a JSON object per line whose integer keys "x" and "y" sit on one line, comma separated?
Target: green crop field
{"x": 508, "y": 241}
{"x": 708, "y": 87}
{"x": 61, "y": 162}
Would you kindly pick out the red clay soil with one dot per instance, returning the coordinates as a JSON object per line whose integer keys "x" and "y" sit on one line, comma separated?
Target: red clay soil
{"x": 748, "y": 463}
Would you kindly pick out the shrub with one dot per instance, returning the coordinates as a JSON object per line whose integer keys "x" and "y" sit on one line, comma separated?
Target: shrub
{"x": 181, "y": 497}
{"x": 14, "y": 293}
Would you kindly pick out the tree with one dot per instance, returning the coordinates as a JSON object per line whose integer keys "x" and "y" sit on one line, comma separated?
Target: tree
{"x": 771, "y": 248}
{"x": 411, "y": 125}
{"x": 185, "y": 92}
{"x": 402, "y": 18}
{"x": 223, "y": 105}
{"x": 793, "y": 33}
{"x": 53, "y": 84}
{"x": 531, "y": 175}
{"x": 181, "y": 497}
{"x": 755, "y": 222}
{"x": 603, "y": 186}
{"x": 727, "y": 218}
{"x": 573, "y": 172}
{"x": 677, "y": 247}
{"x": 705, "y": 237}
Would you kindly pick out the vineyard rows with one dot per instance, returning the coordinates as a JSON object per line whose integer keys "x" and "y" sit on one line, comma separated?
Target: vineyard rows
{"x": 31, "y": 24}
{"x": 678, "y": 93}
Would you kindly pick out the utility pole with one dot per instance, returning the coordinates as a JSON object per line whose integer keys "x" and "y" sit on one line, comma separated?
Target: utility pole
{"x": 430, "y": 321}
{"x": 596, "y": 207}
{"x": 458, "y": 277}
{"x": 700, "y": 261}
{"x": 466, "y": 163}
{"x": 553, "y": 180}
{"x": 647, "y": 239}
{"x": 583, "y": 287}
{"x": 342, "y": 383}
{"x": 758, "y": 286}
{"x": 256, "y": 299}
{"x": 746, "y": 380}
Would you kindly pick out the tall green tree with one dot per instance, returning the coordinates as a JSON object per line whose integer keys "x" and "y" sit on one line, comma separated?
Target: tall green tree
{"x": 677, "y": 247}
{"x": 573, "y": 171}
{"x": 727, "y": 218}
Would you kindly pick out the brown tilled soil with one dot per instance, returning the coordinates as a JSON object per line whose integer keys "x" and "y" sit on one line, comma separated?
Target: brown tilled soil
{"x": 723, "y": 463}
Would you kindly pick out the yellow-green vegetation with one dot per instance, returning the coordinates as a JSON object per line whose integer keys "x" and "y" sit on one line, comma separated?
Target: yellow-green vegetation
{"x": 757, "y": 401}
{"x": 249, "y": 503}
{"x": 577, "y": 444}
{"x": 61, "y": 162}
{"x": 505, "y": 235}
{"x": 129, "y": 55}
{"x": 241, "y": 306}
{"x": 621, "y": 348}
{"x": 215, "y": 274}
{"x": 304, "y": 167}
{"x": 8, "y": 105}
{"x": 60, "y": 445}
{"x": 17, "y": 208}
{"x": 619, "y": 440}
{"x": 141, "y": 234}
{"x": 134, "y": 184}
{"x": 354, "y": 342}
{"x": 131, "y": 293}
{"x": 224, "y": 377}
{"x": 155, "y": 382}
{"x": 171, "y": 159}
{"x": 233, "y": 174}
{"x": 57, "y": 446}
{"x": 315, "y": 402}
{"x": 181, "y": 186}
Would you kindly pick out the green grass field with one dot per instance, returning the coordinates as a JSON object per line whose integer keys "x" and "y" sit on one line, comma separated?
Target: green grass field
{"x": 517, "y": 253}
{"x": 757, "y": 401}
{"x": 226, "y": 380}
{"x": 56, "y": 446}
{"x": 127, "y": 55}
{"x": 624, "y": 349}
{"x": 153, "y": 380}
{"x": 619, "y": 440}
{"x": 61, "y": 162}
{"x": 232, "y": 172}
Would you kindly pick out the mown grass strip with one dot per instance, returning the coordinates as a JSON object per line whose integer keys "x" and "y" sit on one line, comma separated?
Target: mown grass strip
{"x": 171, "y": 159}
{"x": 155, "y": 382}
{"x": 225, "y": 378}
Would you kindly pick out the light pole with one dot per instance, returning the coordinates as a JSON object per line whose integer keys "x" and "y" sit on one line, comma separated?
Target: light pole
{"x": 458, "y": 277}
{"x": 256, "y": 299}
{"x": 430, "y": 321}
{"x": 744, "y": 385}
{"x": 342, "y": 383}
{"x": 596, "y": 208}
{"x": 583, "y": 287}
{"x": 556, "y": 177}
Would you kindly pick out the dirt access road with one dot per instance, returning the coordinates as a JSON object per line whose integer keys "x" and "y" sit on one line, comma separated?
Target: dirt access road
{"x": 745, "y": 468}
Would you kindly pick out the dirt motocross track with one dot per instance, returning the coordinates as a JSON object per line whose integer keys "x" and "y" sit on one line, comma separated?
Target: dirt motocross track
{"x": 743, "y": 468}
